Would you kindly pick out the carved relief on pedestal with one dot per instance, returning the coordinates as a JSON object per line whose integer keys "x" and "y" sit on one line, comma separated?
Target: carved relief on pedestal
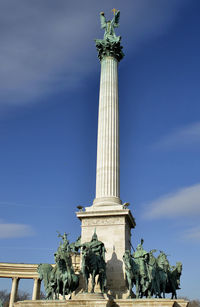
{"x": 103, "y": 221}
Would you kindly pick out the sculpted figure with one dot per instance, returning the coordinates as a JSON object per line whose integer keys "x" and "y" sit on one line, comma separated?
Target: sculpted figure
{"x": 75, "y": 246}
{"x": 132, "y": 273}
{"x": 154, "y": 285}
{"x": 141, "y": 257}
{"x": 64, "y": 246}
{"x": 163, "y": 268}
{"x": 93, "y": 262}
{"x": 66, "y": 280}
{"x": 109, "y": 27}
{"x": 46, "y": 274}
{"x": 173, "y": 283}
{"x": 61, "y": 279}
{"x": 151, "y": 275}
{"x": 110, "y": 44}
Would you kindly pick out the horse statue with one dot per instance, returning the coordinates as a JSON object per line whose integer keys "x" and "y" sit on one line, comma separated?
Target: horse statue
{"x": 141, "y": 258}
{"x": 154, "y": 285}
{"x": 151, "y": 275}
{"x": 66, "y": 279}
{"x": 163, "y": 268}
{"x": 75, "y": 246}
{"x": 93, "y": 263}
{"x": 173, "y": 283}
{"x": 46, "y": 274}
{"x": 60, "y": 279}
{"x": 132, "y": 274}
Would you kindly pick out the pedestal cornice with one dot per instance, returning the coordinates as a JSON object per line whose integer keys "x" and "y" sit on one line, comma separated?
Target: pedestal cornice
{"x": 108, "y": 213}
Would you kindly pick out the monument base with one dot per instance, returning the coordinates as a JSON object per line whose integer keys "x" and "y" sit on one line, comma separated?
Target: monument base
{"x": 105, "y": 303}
{"x": 113, "y": 228}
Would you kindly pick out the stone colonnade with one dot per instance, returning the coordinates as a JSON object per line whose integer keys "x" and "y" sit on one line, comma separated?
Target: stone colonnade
{"x": 20, "y": 271}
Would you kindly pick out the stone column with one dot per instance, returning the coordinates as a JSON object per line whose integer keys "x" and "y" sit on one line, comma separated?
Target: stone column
{"x": 107, "y": 171}
{"x": 111, "y": 221}
{"x": 13, "y": 295}
{"x": 36, "y": 289}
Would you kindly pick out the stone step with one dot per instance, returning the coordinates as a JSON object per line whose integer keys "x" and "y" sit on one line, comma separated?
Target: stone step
{"x": 104, "y": 303}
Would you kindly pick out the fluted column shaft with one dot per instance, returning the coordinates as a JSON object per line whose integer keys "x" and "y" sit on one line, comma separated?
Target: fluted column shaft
{"x": 36, "y": 289}
{"x": 13, "y": 294}
{"x": 107, "y": 172}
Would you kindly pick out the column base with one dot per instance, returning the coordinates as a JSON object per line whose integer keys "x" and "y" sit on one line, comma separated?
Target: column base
{"x": 105, "y": 203}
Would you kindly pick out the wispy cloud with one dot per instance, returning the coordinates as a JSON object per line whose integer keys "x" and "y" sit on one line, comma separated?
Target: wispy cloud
{"x": 192, "y": 233}
{"x": 18, "y": 205}
{"x": 182, "y": 137}
{"x": 47, "y": 45}
{"x": 11, "y": 230}
{"x": 184, "y": 202}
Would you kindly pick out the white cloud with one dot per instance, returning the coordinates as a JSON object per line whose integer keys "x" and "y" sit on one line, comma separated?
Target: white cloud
{"x": 192, "y": 233}
{"x": 182, "y": 137}
{"x": 47, "y": 45}
{"x": 184, "y": 202}
{"x": 11, "y": 230}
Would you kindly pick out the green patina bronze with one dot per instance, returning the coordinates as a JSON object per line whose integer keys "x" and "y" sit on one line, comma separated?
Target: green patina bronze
{"x": 150, "y": 275}
{"x": 60, "y": 279}
{"x": 110, "y": 44}
{"x": 93, "y": 262}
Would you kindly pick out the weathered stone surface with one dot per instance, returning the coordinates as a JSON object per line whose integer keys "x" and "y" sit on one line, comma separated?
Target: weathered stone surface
{"x": 105, "y": 303}
{"x": 114, "y": 229}
{"x": 90, "y": 296}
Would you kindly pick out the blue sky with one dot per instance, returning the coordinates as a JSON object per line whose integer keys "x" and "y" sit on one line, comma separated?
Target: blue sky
{"x": 48, "y": 125}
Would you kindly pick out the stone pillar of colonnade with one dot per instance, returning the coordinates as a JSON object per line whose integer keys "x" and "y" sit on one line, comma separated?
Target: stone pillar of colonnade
{"x": 13, "y": 295}
{"x": 107, "y": 216}
{"x": 36, "y": 289}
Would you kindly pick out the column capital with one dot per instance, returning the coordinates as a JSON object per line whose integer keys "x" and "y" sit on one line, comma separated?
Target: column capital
{"x": 109, "y": 48}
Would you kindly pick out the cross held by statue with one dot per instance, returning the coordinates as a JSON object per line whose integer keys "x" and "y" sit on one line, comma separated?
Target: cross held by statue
{"x": 114, "y": 11}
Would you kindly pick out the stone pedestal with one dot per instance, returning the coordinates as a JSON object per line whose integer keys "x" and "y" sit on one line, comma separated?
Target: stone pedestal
{"x": 105, "y": 303}
{"x": 113, "y": 228}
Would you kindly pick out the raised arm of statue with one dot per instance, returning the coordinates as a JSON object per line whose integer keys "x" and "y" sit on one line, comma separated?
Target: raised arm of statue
{"x": 115, "y": 20}
{"x": 102, "y": 20}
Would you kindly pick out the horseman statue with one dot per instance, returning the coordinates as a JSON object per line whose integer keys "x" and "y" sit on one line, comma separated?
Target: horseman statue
{"x": 93, "y": 262}
{"x": 151, "y": 275}
{"x": 141, "y": 258}
{"x": 60, "y": 279}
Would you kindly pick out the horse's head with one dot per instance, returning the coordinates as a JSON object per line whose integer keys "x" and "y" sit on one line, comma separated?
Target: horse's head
{"x": 179, "y": 267}
{"x": 128, "y": 261}
{"x": 40, "y": 271}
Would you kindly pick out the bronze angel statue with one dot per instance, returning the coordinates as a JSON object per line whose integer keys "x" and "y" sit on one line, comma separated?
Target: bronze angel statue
{"x": 109, "y": 27}
{"x": 110, "y": 44}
